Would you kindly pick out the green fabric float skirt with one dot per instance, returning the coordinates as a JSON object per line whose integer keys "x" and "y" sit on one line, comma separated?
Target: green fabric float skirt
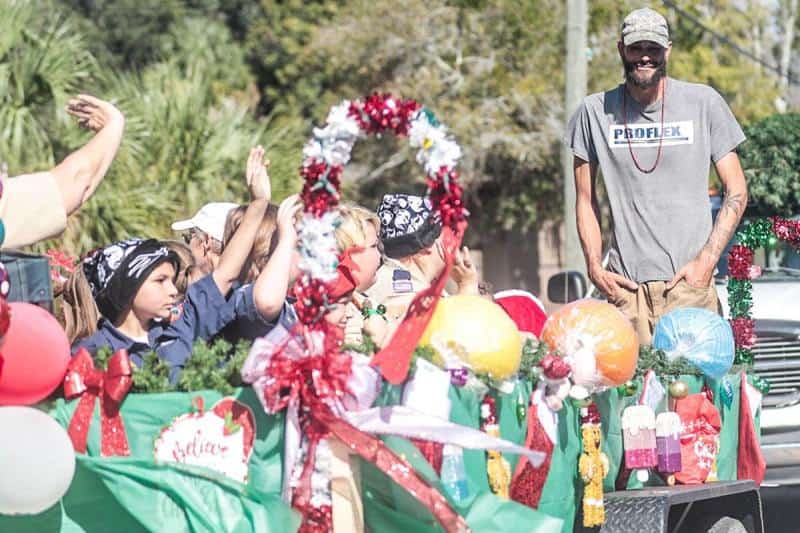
{"x": 137, "y": 494}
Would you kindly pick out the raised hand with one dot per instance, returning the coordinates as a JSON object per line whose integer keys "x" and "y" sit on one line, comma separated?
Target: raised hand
{"x": 287, "y": 213}
{"x": 464, "y": 273}
{"x": 92, "y": 113}
{"x": 257, "y": 175}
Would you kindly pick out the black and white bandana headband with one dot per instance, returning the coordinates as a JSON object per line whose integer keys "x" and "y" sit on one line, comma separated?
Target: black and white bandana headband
{"x": 408, "y": 224}
{"x": 116, "y": 272}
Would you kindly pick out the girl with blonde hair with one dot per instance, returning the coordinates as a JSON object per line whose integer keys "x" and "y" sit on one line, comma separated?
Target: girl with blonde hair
{"x": 357, "y": 239}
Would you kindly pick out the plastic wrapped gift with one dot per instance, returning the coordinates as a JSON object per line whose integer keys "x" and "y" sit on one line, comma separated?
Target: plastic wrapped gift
{"x": 597, "y": 339}
{"x": 704, "y": 338}
{"x": 475, "y": 332}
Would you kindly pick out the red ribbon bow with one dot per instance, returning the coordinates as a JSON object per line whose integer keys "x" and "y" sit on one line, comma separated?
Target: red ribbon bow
{"x": 112, "y": 385}
{"x": 314, "y": 383}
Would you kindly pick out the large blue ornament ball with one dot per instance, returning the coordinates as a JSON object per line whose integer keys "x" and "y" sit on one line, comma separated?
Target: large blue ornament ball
{"x": 701, "y": 336}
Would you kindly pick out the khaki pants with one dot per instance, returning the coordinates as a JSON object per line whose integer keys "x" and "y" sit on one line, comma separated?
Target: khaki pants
{"x": 651, "y": 301}
{"x": 347, "y": 509}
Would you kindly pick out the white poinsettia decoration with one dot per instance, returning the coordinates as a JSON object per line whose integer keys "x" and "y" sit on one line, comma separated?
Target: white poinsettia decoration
{"x": 319, "y": 254}
{"x": 436, "y": 149}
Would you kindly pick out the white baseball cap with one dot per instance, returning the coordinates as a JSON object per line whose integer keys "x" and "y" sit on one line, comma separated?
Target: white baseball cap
{"x": 209, "y": 219}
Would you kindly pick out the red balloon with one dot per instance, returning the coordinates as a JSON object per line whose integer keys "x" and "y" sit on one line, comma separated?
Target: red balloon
{"x": 35, "y": 352}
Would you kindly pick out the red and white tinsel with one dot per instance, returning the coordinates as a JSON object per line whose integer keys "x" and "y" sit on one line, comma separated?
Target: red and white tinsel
{"x": 324, "y": 157}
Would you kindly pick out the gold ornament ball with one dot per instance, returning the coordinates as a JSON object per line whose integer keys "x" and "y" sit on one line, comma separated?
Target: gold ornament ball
{"x": 479, "y": 332}
{"x": 678, "y": 389}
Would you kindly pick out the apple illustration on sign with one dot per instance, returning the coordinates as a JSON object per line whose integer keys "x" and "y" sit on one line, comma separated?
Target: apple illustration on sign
{"x": 220, "y": 439}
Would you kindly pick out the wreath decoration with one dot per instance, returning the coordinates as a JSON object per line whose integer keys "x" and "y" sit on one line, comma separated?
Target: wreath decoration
{"x": 324, "y": 157}
{"x": 311, "y": 383}
{"x": 742, "y": 271}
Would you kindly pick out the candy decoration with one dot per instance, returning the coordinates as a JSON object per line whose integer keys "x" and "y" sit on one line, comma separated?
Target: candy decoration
{"x": 497, "y": 467}
{"x": 592, "y": 467}
{"x": 639, "y": 438}
{"x": 668, "y": 443}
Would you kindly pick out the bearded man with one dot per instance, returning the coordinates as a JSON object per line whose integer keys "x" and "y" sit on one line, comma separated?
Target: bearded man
{"x": 654, "y": 138}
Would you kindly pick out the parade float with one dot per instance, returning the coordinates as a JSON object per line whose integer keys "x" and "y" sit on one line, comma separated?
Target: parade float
{"x": 473, "y": 426}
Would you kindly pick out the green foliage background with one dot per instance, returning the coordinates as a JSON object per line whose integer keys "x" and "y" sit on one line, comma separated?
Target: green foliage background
{"x": 772, "y": 165}
{"x": 201, "y": 81}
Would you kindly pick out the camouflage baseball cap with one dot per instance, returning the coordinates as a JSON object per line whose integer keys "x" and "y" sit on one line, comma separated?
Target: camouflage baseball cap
{"x": 645, "y": 25}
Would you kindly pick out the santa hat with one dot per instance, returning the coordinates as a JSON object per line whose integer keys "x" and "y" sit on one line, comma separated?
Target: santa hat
{"x": 525, "y": 309}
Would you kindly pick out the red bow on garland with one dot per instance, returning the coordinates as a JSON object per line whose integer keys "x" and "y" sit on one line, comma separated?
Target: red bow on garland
{"x": 112, "y": 385}
{"x": 314, "y": 383}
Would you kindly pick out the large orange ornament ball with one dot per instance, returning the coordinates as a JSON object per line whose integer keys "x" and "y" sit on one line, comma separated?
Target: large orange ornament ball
{"x": 478, "y": 332}
{"x": 597, "y": 338}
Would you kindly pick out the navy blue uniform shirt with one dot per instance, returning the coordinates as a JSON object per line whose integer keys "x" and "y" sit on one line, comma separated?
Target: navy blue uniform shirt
{"x": 248, "y": 323}
{"x": 205, "y": 312}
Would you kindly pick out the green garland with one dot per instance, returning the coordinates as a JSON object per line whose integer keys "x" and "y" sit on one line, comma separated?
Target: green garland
{"x": 656, "y": 360}
{"x": 532, "y": 353}
{"x": 367, "y": 346}
{"x": 215, "y": 366}
{"x": 757, "y": 234}
{"x": 740, "y": 297}
{"x": 218, "y": 366}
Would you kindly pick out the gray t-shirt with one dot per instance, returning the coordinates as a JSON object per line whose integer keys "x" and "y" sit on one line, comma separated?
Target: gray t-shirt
{"x": 663, "y": 219}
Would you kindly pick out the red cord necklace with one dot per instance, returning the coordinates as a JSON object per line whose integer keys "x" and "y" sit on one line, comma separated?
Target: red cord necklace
{"x": 661, "y": 138}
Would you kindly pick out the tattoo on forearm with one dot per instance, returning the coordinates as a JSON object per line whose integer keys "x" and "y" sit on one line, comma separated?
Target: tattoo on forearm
{"x": 734, "y": 203}
{"x": 727, "y": 221}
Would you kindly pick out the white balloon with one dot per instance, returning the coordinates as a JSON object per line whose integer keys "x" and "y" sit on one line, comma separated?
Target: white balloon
{"x": 37, "y": 461}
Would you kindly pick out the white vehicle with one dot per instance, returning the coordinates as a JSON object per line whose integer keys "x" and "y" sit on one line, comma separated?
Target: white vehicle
{"x": 776, "y": 310}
